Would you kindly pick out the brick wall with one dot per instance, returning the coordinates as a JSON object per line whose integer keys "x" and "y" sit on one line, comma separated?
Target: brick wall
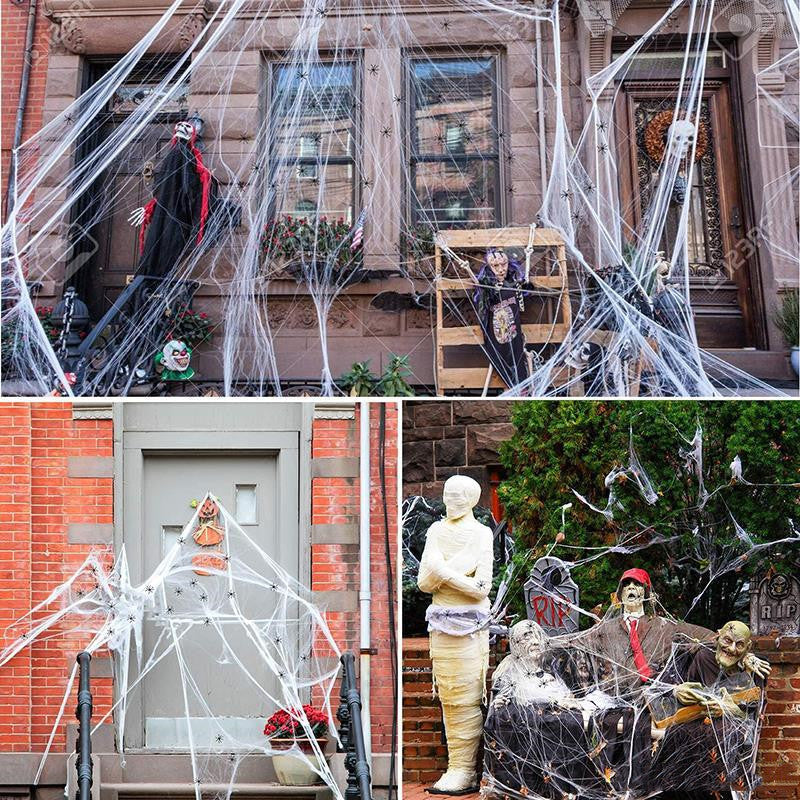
{"x": 15, "y": 19}
{"x": 425, "y": 750}
{"x": 40, "y": 500}
{"x": 335, "y": 567}
{"x": 36, "y": 441}
{"x": 779, "y": 749}
{"x": 452, "y": 437}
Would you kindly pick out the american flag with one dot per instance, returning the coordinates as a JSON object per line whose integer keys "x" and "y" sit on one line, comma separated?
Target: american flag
{"x": 358, "y": 231}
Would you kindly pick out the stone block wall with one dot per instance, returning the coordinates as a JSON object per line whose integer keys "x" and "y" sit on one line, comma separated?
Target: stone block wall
{"x": 452, "y": 437}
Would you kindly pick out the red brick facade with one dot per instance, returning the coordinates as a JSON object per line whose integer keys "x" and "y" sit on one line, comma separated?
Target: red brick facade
{"x": 334, "y": 567}
{"x": 40, "y": 500}
{"x": 35, "y": 556}
{"x": 15, "y": 21}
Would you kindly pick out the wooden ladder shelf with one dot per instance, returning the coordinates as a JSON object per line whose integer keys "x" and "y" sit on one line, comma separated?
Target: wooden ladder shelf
{"x": 554, "y": 331}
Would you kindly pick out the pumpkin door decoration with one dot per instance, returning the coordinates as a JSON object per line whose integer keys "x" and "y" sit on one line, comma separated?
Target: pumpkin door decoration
{"x": 208, "y": 535}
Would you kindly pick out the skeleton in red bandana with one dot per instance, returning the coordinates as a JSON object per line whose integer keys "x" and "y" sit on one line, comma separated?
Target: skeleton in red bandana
{"x": 627, "y": 650}
{"x": 174, "y": 222}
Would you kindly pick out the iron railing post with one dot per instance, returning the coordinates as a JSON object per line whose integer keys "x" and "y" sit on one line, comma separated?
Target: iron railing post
{"x": 352, "y": 734}
{"x": 83, "y": 765}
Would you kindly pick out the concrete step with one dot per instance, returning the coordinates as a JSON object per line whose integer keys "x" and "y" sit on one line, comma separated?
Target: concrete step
{"x": 266, "y": 790}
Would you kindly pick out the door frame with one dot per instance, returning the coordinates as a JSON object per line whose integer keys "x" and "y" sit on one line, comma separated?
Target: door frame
{"x": 289, "y": 444}
{"x": 727, "y": 78}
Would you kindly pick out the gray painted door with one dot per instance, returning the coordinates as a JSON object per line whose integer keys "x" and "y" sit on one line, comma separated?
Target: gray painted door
{"x": 248, "y": 485}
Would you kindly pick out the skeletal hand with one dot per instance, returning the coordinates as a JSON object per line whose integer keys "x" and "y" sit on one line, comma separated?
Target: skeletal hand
{"x": 757, "y": 666}
{"x": 137, "y": 217}
{"x": 688, "y": 694}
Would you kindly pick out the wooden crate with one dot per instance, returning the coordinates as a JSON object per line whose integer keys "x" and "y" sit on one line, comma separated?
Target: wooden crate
{"x": 454, "y": 378}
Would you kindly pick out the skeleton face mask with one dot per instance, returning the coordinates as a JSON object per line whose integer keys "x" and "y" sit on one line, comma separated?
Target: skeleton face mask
{"x": 684, "y": 133}
{"x": 632, "y": 597}
{"x": 184, "y": 130}
{"x": 498, "y": 263}
{"x": 733, "y": 644}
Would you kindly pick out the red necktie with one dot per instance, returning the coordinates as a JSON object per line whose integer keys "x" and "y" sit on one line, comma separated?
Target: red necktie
{"x": 645, "y": 673}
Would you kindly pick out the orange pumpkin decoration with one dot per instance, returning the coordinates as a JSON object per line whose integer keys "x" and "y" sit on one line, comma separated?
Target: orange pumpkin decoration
{"x": 213, "y": 560}
{"x": 208, "y": 509}
{"x": 208, "y": 534}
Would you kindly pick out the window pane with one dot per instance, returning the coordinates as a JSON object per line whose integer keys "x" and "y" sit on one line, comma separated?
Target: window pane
{"x": 327, "y": 192}
{"x": 454, "y": 106}
{"x": 466, "y": 197}
{"x": 454, "y": 141}
{"x": 246, "y": 510}
{"x": 169, "y": 537}
{"x": 313, "y": 111}
{"x": 313, "y": 114}
{"x": 144, "y": 82}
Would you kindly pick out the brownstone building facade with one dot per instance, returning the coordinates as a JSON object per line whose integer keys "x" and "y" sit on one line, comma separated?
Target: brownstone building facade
{"x": 737, "y": 279}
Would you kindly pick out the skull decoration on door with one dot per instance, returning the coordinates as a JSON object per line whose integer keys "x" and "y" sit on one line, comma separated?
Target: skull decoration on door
{"x": 210, "y": 533}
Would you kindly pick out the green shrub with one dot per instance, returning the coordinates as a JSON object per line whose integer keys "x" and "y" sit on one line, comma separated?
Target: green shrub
{"x": 561, "y": 446}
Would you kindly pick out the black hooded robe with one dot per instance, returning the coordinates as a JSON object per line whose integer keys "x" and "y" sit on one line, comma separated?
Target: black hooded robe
{"x": 176, "y": 217}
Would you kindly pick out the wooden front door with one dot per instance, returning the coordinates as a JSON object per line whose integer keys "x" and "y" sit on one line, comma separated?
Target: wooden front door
{"x": 127, "y": 183}
{"x": 722, "y": 268}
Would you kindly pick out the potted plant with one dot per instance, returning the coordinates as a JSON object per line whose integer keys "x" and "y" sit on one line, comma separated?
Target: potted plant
{"x": 190, "y": 327}
{"x": 787, "y": 318}
{"x": 286, "y": 732}
{"x": 359, "y": 381}
{"x": 311, "y": 249}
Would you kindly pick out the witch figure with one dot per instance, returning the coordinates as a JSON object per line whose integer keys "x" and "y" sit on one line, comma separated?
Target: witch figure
{"x": 175, "y": 221}
{"x": 499, "y": 301}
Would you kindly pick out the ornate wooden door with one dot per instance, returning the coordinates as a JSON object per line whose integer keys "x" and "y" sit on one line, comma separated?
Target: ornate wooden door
{"x": 126, "y": 184}
{"x": 722, "y": 269}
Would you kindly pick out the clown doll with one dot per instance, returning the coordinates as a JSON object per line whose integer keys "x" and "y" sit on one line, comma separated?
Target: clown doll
{"x": 499, "y": 302}
{"x": 173, "y": 363}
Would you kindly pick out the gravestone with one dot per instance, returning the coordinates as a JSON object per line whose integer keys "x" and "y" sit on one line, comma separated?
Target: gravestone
{"x": 551, "y": 597}
{"x": 775, "y": 605}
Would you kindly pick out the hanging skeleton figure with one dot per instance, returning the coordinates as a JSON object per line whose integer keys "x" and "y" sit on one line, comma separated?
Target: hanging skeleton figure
{"x": 499, "y": 300}
{"x": 176, "y": 220}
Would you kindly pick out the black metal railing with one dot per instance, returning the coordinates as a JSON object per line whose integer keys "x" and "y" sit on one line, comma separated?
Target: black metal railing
{"x": 83, "y": 747}
{"x": 118, "y": 352}
{"x": 351, "y": 734}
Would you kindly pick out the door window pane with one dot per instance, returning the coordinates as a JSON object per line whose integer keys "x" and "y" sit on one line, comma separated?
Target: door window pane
{"x": 455, "y": 164}
{"x": 169, "y": 537}
{"x": 246, "y": 511}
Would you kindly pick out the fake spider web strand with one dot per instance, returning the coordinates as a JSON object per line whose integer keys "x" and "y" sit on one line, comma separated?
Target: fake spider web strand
{"x": 676, "y": 358}
{"x": 292, "y": 643}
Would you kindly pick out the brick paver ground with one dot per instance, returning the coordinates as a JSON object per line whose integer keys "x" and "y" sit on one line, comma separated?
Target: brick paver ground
{"x": 418, "y": 791}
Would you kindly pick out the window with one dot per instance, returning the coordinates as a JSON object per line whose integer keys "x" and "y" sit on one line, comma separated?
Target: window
{"x": 313, "y": 141}
{"x": 454, "y": 141}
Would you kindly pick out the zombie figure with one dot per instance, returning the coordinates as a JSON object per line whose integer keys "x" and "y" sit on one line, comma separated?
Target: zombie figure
{"x": 175, "y": 221}
{"x": 499, "y": 301}
{"x": 537, "y": 732}
{"x": 627, "y": 650}
{"x": 708, "y": 706}
{"x": 173, "y": 363}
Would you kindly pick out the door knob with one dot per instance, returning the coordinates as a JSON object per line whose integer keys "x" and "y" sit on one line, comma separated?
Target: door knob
{"x": 736, "y": 218}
